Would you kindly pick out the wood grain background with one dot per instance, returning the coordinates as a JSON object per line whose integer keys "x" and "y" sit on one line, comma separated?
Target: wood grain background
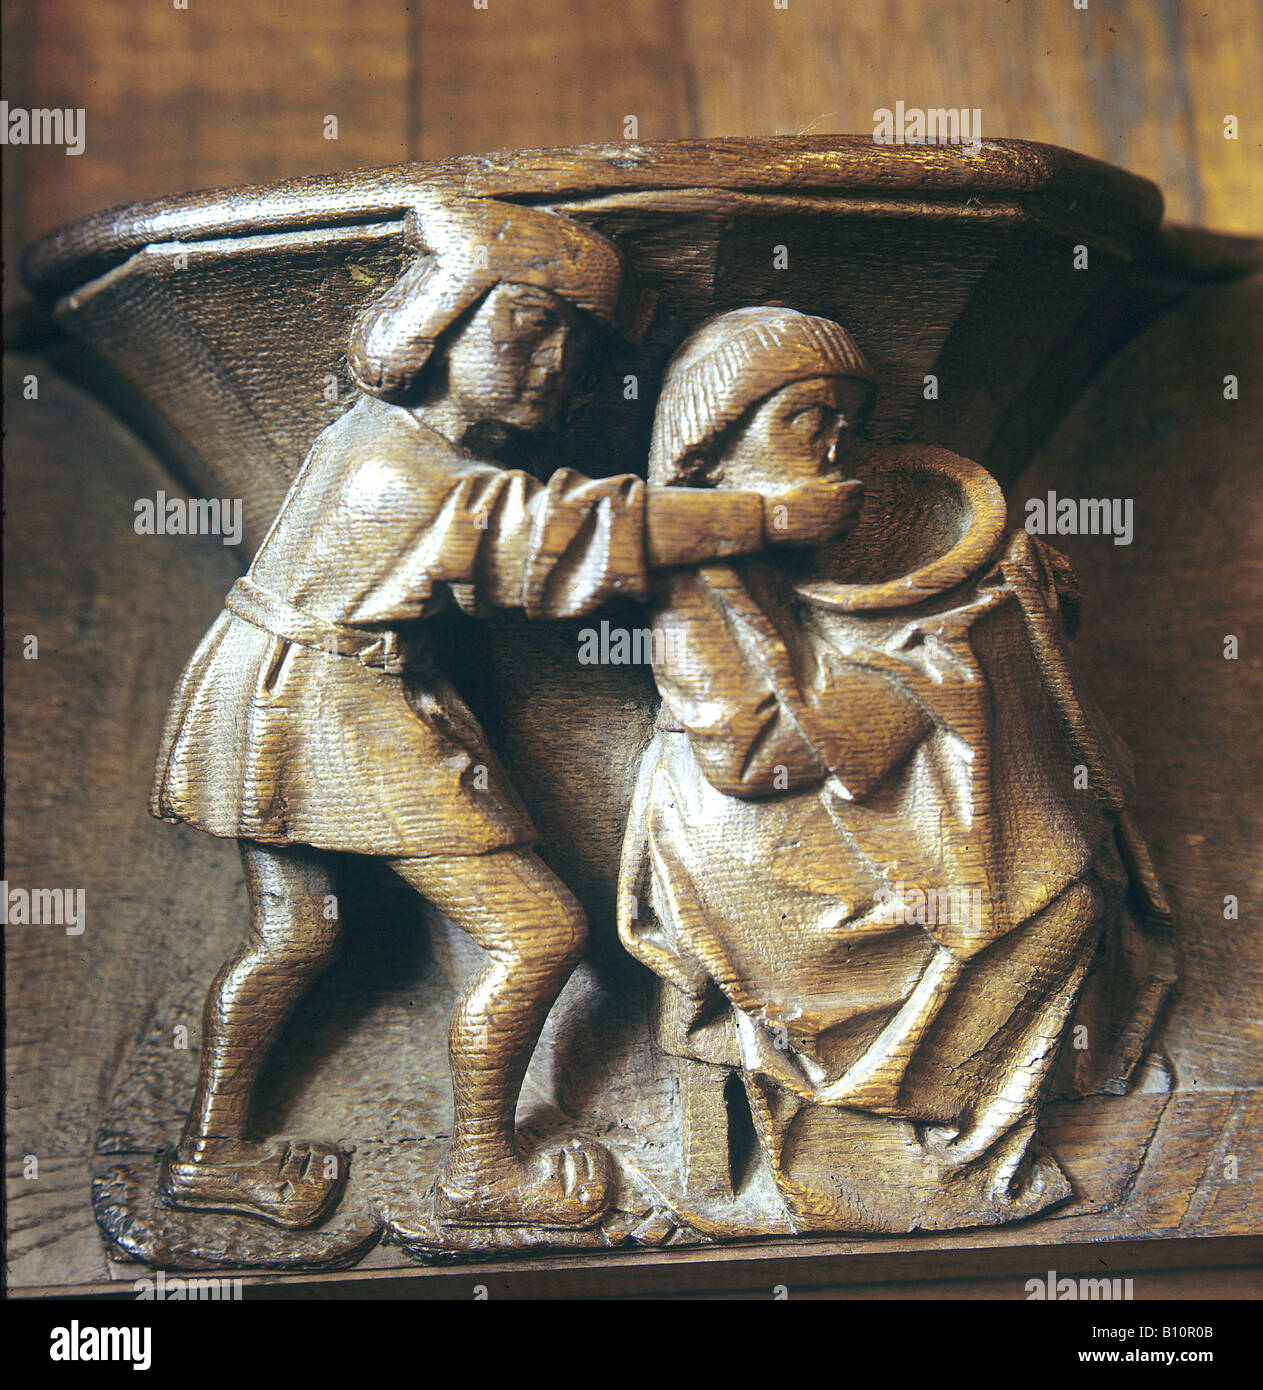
{"x": 234, "y": 91}
{"x": 230, "y": 91}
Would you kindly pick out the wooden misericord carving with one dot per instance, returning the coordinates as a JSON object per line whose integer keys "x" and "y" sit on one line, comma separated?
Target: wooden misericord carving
{"x": 879, "y": 863}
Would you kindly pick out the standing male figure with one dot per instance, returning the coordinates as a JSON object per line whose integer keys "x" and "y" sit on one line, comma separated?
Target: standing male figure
{"x": 310, "y": 720}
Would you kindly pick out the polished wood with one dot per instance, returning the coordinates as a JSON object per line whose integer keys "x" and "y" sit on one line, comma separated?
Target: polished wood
{"x": 194, "y": 98}
{"x": 198, "y": 99}
{"x": 1118, "y": 217}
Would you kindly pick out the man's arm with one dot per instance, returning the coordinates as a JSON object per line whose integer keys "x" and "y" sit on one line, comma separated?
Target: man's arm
{"x": 693, "y": 526}
{"x": 560, "y": 549}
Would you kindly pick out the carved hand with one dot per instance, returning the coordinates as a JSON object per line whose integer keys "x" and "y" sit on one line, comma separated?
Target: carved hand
{"x": 812, "y": 512}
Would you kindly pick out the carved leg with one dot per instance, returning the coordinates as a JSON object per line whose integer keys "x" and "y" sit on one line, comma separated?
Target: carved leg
{"x": 533, "y": 932}
{"x": 291, "y": 941}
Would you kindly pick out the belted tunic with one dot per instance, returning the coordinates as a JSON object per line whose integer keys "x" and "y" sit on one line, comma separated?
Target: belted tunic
{"x": 308, "y": 713}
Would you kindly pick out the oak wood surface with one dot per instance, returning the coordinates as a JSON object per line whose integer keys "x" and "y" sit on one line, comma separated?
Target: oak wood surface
{"x": 231, "y": 92}
{"x": 236, "y": 91}
{"x": 81, "y": 736}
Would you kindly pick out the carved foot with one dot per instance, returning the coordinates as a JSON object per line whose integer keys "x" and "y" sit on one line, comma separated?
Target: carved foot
{"x": 570, "y": 1188}
{"x": 140, "y": 1224}
{"x": 293, "y": 1184}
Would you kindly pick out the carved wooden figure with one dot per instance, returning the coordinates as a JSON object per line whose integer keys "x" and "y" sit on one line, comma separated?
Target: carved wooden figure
{"x": 879, "y": 839}
{"x": 832, "y": 915}
{"x": 314, "y": 719}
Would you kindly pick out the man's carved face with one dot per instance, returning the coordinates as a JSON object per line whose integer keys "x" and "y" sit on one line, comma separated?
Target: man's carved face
{"x": 517, "y": 359}
{"x": 797, "y": 434}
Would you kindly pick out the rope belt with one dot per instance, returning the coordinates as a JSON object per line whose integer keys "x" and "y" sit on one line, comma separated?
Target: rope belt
{"x": 381, "y": 651}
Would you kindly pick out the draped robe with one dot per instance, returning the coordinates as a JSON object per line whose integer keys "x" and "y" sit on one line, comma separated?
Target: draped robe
{"x": 873, "y": 856}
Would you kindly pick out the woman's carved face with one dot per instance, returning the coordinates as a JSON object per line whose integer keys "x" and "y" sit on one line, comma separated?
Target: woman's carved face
{"x": 797, "y": 434}
{"x": 517, "y": 358}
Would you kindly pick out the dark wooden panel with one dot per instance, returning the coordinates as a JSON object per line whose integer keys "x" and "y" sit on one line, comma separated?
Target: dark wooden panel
{"x": 1155, "y": 428}
{"x": 231, "y": 91}
{"x": 518, "y": 76}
